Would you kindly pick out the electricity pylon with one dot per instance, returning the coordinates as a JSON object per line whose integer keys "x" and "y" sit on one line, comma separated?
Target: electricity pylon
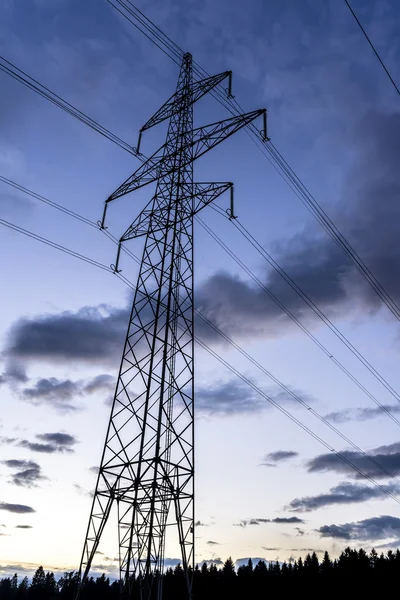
{"x": 147, "y": 466}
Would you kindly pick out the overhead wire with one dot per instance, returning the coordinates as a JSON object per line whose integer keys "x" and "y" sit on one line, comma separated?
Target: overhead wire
{"x": 95, "y": 263}
{"x": 275, "y": 158}
{"x": 260, "y": 284}
{"x": 13, "y": 71}
{"x": 245, "y": 379}
{"x": 375, "y": 51}
{"x": 55, "y": 245}
{"x": 283, "y": 167}
{"x": 314, "y": 307}
{"x": 293, "y": 317}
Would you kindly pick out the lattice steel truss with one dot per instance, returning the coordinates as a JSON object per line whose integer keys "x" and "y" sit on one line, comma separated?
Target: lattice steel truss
{"x": 147, "y": 466}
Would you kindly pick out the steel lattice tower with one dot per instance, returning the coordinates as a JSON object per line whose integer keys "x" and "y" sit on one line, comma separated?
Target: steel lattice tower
{"x": 147, "y": 466}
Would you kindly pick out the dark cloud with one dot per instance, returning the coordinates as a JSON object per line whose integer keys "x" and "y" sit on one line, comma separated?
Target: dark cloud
{"x": 375, "y": 528}
{"x": 287, "y": 520}
{"x": 23, "y": 527}
{"x": 20, "y": 464}
{"x": 59, "y": 394}
{"x": 211, "y": 543}
{"x": 93, "y": 334}
{"x": 101, "y": 383}
{"x": 16, "y": 508}
{"x": 244, "y": 561}
{"x": 214, "y": 561}
{"x": 7, "y": 440}
{"x": 271, "y": 549}
{"x": 200, "y": 524}
{"x": 246, "y": 522}
{"x": 367, "y": 215}
{"x": 257, "y": 521}
{"x": 14, "y": 373}
{"x": 394, "y": 544}
{"x": 279, "y": 456}
{"x": 236, "y": 397}
{"x": 344, "y": 493}
{"x": 386, "y": 456}
{"x": 28, "y": 472}
{"x": 300, "y": 532}
{"x": 172, "y": 562}
{"x": 58, "y": 439}
{"x": 54, "y": 392}
{"x": 57, "y": 442}
{"x": 361, "y": 414}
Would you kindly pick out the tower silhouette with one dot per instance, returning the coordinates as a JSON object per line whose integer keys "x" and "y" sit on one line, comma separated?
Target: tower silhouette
{"x": 147, "y": 465}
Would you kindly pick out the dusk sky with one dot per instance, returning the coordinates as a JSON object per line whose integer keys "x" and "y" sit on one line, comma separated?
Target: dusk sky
{"x": 265, "y": 488}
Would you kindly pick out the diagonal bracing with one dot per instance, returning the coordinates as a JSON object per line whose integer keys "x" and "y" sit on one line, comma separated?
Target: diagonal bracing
{"x": 147, "y": 466}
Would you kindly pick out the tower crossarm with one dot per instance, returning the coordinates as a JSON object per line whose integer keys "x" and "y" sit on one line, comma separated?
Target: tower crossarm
{"x": 204, "y": 139}
{"x": 203, "y": 194}
{"x": 197, "y": 90}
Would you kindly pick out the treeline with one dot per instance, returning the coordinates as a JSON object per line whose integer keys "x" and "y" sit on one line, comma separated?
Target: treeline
{"x": 354, "y": 572}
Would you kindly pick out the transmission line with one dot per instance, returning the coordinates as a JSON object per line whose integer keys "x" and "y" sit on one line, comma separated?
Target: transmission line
{"x": 267, "y": 148}
{"x": 372, "y": 46}
{"x": 48, "y": 242}
{"x": 34, "y": 85}
{"x": 245, "y": 379}
{"x": 321, "y": 315}
{"x": 285, "y": 388}
{"x": 238, "y": 261}
{"x": 293, "y": 317}
{"x": 281, "y": 164}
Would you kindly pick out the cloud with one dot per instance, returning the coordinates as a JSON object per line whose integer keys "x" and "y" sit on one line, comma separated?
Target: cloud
{"x": 93, "y": 334}
{"x": 344, "y": 493}
{"x": 23, "y": 527}
{"x": 59, "y": 394}
{"x": 59, "y": 439}
{"x": 233, "y": 397}
{"x": 287, "y": 520}
{"x": 375, "y": 528}
{"x": 172, "y": 562}
{"x": 361, "y": 414}
{"x": 270, "y": 549}
{"x": 57, "y": 442}
{"x": 211, "y": 543}
{"x": 28, "y": 472}
{"x": 16, "y": 508}
{"x": 246, "y": 522}
{"x": 82, "y": 491}
{"x": 214, "y": 561}
{"x": 19, "y": 464}
{"x": 100, "y": 383}
{"x": 280, "y": 520}
{"x": 386, "y": 456}
{"x": 200, "y": 524}
{"x": 240, "y": 562}
{"x": 7, "y": 440}
{"x": 279, "y": 456}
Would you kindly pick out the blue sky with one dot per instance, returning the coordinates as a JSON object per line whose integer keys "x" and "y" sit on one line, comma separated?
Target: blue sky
{"x": 334, "y": 116}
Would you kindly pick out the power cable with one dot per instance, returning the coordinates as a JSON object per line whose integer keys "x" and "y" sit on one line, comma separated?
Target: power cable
{"x": 293, "y": 317}
{"x": 277, "y": 160}
{"x": 255, "y": 279}
{"x": 48, "y": 242}
{"x": 234, "y": 370}
{"x": 282, "y": 166}
{"x": 34, "y": 85}
{"x": 268, "y": 258}
{"x": 372, "y": 46}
